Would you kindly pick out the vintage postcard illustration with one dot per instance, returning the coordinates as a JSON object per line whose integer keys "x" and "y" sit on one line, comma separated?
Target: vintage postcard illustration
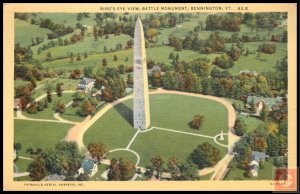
{"x": 150, "y": 97}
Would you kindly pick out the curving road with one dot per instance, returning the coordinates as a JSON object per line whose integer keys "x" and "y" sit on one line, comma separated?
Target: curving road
{"x": 219, "y": 169}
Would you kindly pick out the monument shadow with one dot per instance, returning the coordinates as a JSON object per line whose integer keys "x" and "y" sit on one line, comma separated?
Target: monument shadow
{"x": 126, "y": 112}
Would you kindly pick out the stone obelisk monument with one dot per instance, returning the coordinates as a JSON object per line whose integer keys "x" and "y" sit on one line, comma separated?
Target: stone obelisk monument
{"x": 141, "y": 111}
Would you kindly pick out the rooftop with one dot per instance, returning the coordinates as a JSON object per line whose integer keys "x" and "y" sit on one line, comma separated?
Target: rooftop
{"x": 87, "y": 165}
{"x": 86, "y": 81}
{"x": 258, "y": 156}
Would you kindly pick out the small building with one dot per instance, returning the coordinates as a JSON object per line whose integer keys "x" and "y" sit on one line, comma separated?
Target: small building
{"x": 17, "y": 104}
{"x": 89, "y": 167}
{"x": 54, "y": 177}
{"x": 254, "y": 73}
{"x": 256, "y": 157}
{"x": 153, "y": 69}
{"x": 270, "y": 102}
{"x": 86, "y": 84}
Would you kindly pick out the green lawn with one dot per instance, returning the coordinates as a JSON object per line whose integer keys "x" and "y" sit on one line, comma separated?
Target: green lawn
{"x": 166, "y": 145}
{"x": 71, "y": 115}
{"x": 267, "y": 62}
{"x": 176, "y": 111}
{"x": 22, "y": 164}
{"x": 263, "y": 174}
{"x": 97, "y": 176}
{"x": 251, "y": 122}
{"x": 123, "y": 154}
{"x": 112, "y": 129}
{"x": 47, "y": 113}
{"x": 88, "y": 45}
{"x": 158, "y": 54}
{"x": 115, "y": 130}
{"x": 206, "y": 177}
{"x": 24, "y": 178}
{"x": 24, "y": 31}
{"x": 38, "y": 134}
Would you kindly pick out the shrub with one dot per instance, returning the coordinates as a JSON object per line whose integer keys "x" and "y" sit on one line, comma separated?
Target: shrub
{"x": 197, "y": 121}
{"x": 267, "y": 48}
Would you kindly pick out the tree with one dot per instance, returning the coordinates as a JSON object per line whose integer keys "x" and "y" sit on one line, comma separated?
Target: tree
{"x": 71, "y": 57}
{"x": 171, "y": 56}
{"x": 95, "y": 33}
{"x": 37, "y": 169}
{"x": 272, "y": 128}
{"x": 83, "y": 177}
{"x": 264, "y": 112}
{"x": 151, "y": 33}
{"x": 87, "y": 108}
{"x": 49, "y": 89}
{"x": 129, "y": 79}
{"x": 97, "y": 150}
{"x": 115, "y": 58}
{"x": 59, "y": 89}
{"x": 59, "y": 107}
{"x": 107, "y": 95}
{"x": 63, "y": 159}
{"x": 157, "y": 163}
{"x": 104, "y": 62}
{"x": 197, "y": 121}
{"x": 78, "y": 57}
{"x": 48, "y": 55}
{"x": 85, "y": 55}
{"x": 273, "y": 145}
{"x": 156, "y": 78}
{"x": 205, "y": 155}
{"x": 79, "y": 96}
{"x": 17, "y": 146}
{"x": 259, "y": 144}
{"x": 75, "y": 74}
{"x": 252, "y": 23}
{"x": 182, "y": 171}
{"x": 120, "y": 170}
{"x": 240, "y": 126}
{"x": 32, "y": 109}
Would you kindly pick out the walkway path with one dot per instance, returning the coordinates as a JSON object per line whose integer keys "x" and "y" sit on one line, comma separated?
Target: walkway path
{"x": 74, "y": 134}
{"x": 25, "y": 158}
{"x": 16, "y": 175}
{"x": 56, "y": 115}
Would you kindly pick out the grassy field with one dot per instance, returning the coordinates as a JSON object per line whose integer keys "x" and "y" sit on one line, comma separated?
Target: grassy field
{"x": 24, "y": 178}
{"x": 38, "y": 134}
{"x": 47, "y": 113}
{"x": 70, "y": 114}
{"x": 112, "y": 129}
{"x": 88, "y": 45}
{"x": 206, "y": 177}
{"x": 122, "y": 154}
{"x": 24, "y": 31}
{"x": 267, "y": 62}
{"x": 263, "y": 174}
{"x": 166, "y": 145}
{"x": 183, "y": 108}
{"x": 125, "y": 57}
{"x": 22, "y": 164}
{"x": 118, "y": 134}
{"x": 251, "y": 122}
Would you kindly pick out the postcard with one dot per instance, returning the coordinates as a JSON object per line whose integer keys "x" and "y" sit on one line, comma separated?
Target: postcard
{"x": 150, "y": 97}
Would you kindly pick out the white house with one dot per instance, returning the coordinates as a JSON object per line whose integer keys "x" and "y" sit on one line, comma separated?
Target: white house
{"x": 255, "y": 159}
{"x": 86, "y": 84}
{"x": 89, "y": 167}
